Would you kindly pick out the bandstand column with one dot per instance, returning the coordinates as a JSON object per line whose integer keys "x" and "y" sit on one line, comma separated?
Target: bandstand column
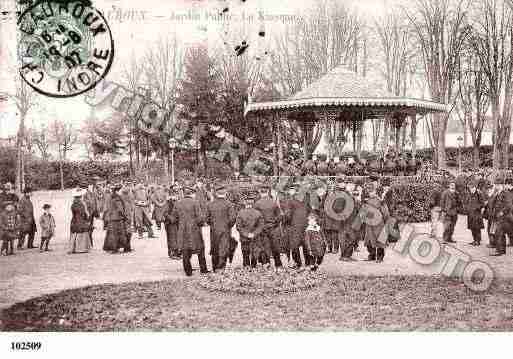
{"x": 413, "y": 135}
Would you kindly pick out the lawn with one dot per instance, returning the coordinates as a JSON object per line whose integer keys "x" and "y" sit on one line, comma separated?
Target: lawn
{"x": 318, "y": 302}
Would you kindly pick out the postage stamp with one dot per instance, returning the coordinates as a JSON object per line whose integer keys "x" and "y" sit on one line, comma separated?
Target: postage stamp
{"x": 64, "y": 47}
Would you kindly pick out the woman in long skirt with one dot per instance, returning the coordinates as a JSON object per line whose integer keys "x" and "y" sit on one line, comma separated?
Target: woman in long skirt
{"x": 116, "y": 222}
{"x": 80, "y": 238}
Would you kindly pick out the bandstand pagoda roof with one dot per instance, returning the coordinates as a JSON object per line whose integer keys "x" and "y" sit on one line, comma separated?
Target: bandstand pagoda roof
{"x": 345, "y": 91}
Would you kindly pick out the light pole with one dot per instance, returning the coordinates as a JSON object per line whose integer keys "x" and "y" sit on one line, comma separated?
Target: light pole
{"x": 172, "y": 146}
{"x": 460, "y": 142}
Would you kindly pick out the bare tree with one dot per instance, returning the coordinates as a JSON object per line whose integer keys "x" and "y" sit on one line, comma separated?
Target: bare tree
{"x": 474, "y": 101}
{"x": 492, "y": 40}
{"x": 163, "y": 65}
{"x": 64, "y": 136}
{"x": 440, "y": 28}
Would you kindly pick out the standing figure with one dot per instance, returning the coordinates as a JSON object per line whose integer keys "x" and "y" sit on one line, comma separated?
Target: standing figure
{"x": 190, "y": 217}
{"x": 116, "y": 219}
{"x": 221, "y": 217}
{"x": 47, "y": 225}
{"x": 314, "y": 241}
{"x": 9, "y": 228}
{"x": 159, "y": 200}
{"x": 475, "y": 204}
{"x": 341, "y": 168}
{"x": 374, "y": 214}
{"x": 450, "y": 204}
{"x": 271, "y": 233}
{"x": 127, "y": 195}
{"x": 488, "y": 215}
{"x": 80, "y": 242}
{"x": 502, "y": 217}
{"x": 27, "y": 221}
{"x": 310, "y": 166}
{"x": 250, "y": 224}
{"x": 142, "y": 211}
{"x": 295, "y": 218}
{"x": 174, "y": 247}
{"x": 349, "y": 234}
{"x": 91, "y": 201}
{"x": 330, "y": 220}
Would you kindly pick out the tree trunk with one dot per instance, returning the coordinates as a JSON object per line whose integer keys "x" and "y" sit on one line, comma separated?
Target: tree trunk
{"x": 497, "y": 135}
{"x": 475, "y": 156}
{"x": 279, "y": 145}
{"x": 19, "y": 154}
{"x": 413, "y": 136}
{"x": 61, "y": 170}
{"x": 165, "y": 156}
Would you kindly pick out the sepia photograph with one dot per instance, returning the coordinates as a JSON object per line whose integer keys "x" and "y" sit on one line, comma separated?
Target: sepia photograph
{"x": 334, "y": 166}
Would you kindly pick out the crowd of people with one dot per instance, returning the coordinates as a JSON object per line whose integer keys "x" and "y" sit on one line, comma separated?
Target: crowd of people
{"x": 274, "y": 225}
{"x": 391, "y": 164}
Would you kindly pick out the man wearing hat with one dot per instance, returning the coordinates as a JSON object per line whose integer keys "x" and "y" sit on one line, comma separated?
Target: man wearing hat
{"x": 142, "y": 211}
{"x": 502, "y": 216}
{"x": 159, "y": 200}
{"x": 27, "y": 222}
{"x": 475, "y": 205}
{"x": 375, "y": 215}
{"x": 221, "y": 217}
{"x": 250, "y": 224}
{"x": 349, "y": 234}
{"x": 271, "y": 232}
{"x": 450, "y": 203}
{"x": 190, "y": 217}
{"x": 331, "y": 220}
{"x": 295, "y": 222}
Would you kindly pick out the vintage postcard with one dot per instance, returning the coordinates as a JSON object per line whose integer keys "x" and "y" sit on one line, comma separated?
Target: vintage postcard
{"x": 255, "y": 166}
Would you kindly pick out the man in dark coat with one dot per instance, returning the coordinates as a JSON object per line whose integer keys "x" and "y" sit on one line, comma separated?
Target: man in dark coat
{"x": 271, "y": 233}
{"x": 330, "y": 221}
{"x": 91, "y": 201}
{"x": 295, "y": 213}
{"x": 8, "y": 195}
{"x": 250, "y": 224}
{"x": 450, "y": 203}
{"x": 503, "y": 217}
{"x": 475, "y": 204}
{"x": 190, "y": 217}
{"x": 488, "y": 215}
{"x": 116, "y": 221}
{"x": 27, "y": 221}
{"x": 349, "y": 233}
{"x": 221, "y": 218}
{"x": 174, "y": 248}
{"x": 375, "y": 214}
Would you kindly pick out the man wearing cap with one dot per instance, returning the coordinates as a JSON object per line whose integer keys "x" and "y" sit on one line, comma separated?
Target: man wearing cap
{"x": 295, "y": 220}
{"x": 375, "y": 215}
{"x": 250, "y": 224}
{"x": 142, "y": 211}
{"x": 174, "y": 248}
{"x": 475, "y": 204}
{"x": 349, "y": 233}
{"x": 159, "y": 200}
{"x": 331, "y": 222}
{"x": 502, "y": 217}
{"x": 271, "y": 232}
{"x": 27, "y": 221}
{"x": 450, "y": 203}
{"x": 190, "y": 217}
{"x": 221, "y": 217}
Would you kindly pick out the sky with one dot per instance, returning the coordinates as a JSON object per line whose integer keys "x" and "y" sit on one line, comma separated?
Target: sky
{"x": 136, "y": 24}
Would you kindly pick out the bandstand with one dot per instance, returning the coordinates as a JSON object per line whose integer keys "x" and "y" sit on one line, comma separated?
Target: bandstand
{"x": 341, "y": 95}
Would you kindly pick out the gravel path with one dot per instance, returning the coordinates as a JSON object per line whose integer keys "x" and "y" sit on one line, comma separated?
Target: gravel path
{"x": 30, "y": 274}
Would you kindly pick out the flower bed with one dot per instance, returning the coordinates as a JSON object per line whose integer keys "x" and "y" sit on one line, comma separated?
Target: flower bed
{"x": 262, "y": 281}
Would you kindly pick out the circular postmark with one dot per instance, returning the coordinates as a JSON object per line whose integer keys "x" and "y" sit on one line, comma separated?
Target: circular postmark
{"x": 65, "y": 48}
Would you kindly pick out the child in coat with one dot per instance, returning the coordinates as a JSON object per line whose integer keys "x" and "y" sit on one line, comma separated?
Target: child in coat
{"x": 47, "y": 224}
{"x": 436, "y": 229}
{"x": 9, "y": 228}
{"x": 314, "y": 242}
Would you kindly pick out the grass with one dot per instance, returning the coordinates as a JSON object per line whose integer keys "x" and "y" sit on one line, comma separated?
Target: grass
{"x": 338, "y": 303}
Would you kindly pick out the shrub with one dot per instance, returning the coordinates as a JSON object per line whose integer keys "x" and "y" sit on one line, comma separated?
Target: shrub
{"x": 411, "y": 201}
